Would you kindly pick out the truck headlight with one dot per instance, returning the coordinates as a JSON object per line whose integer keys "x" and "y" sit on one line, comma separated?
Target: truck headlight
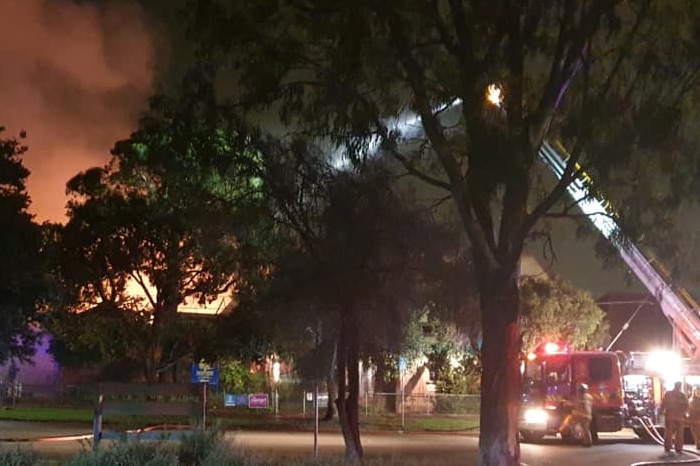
{"x": 535, "y": 416}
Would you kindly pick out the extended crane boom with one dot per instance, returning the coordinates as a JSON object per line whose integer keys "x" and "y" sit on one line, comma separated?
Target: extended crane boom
{"x": 680, "y": 309}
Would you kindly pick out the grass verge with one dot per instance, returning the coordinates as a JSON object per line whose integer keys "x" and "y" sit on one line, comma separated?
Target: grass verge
{"x": 435, "y": 423}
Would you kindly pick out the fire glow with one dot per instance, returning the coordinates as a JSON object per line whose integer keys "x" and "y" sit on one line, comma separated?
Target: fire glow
{"x": 76, "y": 79}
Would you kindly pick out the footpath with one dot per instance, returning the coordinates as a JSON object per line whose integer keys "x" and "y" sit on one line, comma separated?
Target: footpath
{"x": 52, "y": 441}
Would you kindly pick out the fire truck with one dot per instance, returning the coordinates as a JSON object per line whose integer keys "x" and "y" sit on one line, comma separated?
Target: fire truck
{"x": 551, "y": 379}
{"x": 637, "y": 382}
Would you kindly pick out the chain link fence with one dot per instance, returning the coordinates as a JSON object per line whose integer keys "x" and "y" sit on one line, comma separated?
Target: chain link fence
{"x": 426, "y": 404}
{"x": 293, "y": 400}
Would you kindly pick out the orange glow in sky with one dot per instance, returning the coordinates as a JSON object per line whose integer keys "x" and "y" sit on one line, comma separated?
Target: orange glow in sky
{"x": 75, "y": 77}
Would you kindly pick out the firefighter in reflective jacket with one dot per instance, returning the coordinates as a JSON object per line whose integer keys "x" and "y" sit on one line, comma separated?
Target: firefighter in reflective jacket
{"x": 581, "y": 414}
{"x": 674, "y": 408}
{"x": 694, "y": 417}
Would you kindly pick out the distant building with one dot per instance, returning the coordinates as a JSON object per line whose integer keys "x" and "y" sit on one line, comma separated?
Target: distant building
{"x": 530, "y": 266}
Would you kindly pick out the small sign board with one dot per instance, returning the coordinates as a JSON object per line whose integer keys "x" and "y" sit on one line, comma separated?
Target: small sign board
{"x": 322, "y": 399}
{"x": 403, "y": 363}
{"x": 258, "y": 401}
{"x": 234, "y": 400}
{"x": 203, "y": 372}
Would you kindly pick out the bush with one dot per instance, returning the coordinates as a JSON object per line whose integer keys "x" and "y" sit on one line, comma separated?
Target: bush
{"x": 195, "y": 448}
{"x": 223, "y": 455}
{"x": 128, "y": 453}
{"x": 17, "y": 457}
{"x": 455, "y": 404}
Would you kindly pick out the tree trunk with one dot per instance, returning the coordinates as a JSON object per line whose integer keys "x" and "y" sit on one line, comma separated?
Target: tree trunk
{"x": 348, "y": 389}
{"x": 501, "y": 379}
{"x": 163, "y": 316}
{"x": 152, "y": 357}
{"x": 330, "y": 382}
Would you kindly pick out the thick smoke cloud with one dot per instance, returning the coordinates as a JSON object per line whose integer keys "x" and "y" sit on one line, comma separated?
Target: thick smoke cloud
{"x": 75, "y": 77}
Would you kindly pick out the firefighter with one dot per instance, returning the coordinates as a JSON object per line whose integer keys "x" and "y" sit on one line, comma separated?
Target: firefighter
{"x": 585, "y": 408}
{"x": 582, "y": 414}
{"x": 674, "y": 408}
{"x": 694, "y": 417}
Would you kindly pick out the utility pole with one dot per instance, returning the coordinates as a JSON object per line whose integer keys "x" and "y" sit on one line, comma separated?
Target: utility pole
{"x": 317, "y": 344}
{"x": 626, "y": 325}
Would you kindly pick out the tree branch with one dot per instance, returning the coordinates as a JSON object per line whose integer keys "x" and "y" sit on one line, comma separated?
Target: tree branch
{"x": 569, "y": 175}
{"x": 433, "y": 129}
{"x": 136, "y": 274}
{"x": 442, "y": 29}
{"x": 410, "y": 168}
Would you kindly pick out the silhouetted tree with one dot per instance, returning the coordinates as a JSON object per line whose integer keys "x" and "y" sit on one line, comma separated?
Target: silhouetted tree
{"x": 172, "y": 217}
{"x": 22, "y": 273}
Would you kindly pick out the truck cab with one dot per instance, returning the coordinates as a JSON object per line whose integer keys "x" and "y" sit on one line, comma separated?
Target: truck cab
{"x": 550, "y": 381}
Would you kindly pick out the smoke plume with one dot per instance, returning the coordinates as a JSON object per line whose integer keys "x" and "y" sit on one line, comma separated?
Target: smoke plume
{"x": 75, "y": 77}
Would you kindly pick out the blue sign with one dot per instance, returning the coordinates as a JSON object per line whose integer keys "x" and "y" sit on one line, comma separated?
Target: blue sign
{"x": 235, "y": 400}
{"x": 403, "y": 364}
{"x": 203, "y": 372}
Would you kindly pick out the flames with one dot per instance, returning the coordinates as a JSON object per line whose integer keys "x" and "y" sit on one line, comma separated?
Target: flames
{"x": 494, "y": 95}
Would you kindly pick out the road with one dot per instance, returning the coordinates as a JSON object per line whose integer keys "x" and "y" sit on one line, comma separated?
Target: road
{"x": 458, "y": 449}
{"x": 422, "y": 448}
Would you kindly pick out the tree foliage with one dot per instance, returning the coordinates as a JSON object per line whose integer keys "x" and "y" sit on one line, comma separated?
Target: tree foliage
{"x": 453, "y": 359}
{"x": 22, "y": 274}
{"x": 611, "y": 79}
{"x": 357, "y": 266}
{"x": 237, "y": 377}
{"x": 171, "y": 218}
{"x": 556, "y": 311}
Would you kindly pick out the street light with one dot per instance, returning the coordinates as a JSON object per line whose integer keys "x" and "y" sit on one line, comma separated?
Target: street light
{"x": 276, "y": 380}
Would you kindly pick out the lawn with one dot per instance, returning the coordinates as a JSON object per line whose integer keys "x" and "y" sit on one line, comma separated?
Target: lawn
{"x": 437, "y": 423}
{"x": 46, "y": 414}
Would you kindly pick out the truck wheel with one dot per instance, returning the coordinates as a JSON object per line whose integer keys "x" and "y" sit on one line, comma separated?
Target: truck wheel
{"x": 531, "y": 436}
{"x": 567, "y": 436}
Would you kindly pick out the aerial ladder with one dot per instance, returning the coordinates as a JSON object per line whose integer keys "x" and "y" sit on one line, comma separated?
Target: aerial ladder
{"x": 676, "y": 304}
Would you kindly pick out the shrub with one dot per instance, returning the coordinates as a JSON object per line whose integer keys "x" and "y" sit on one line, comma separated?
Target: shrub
{"x": 223, "y": 455}
{"x": 128, "y": 453}
{"x": 454, "y": 404}
{"x": 17, "y": 457}
{"x": 193, "y": 449}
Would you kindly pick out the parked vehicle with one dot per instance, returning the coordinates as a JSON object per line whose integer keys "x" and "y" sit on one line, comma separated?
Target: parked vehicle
{"x": 551, "y": 379}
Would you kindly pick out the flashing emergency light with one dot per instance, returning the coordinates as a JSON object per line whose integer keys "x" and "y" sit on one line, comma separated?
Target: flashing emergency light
{"x": 666, "y": 364}
{"x": 551, "y": 347}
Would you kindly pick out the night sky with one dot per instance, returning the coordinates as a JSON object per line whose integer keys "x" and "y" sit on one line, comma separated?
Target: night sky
{"x": 75, "y": 77}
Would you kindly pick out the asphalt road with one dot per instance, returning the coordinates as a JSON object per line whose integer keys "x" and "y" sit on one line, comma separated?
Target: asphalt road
{"x": 423, "y": 449}
{"x": 458, "y": 449}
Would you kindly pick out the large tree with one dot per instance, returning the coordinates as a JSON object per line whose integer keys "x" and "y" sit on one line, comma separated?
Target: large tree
{"x": 171, "y": 218}
{"x": 609, "y": 78}
{"x": 22, "y": 284}
{"x": 556, "y": 311}
{"x": 353, "y": 274}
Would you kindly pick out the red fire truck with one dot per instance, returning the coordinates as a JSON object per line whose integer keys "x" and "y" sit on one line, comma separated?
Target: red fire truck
{"x": 643, "y": 386}
{"x": 551, "y": 379}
